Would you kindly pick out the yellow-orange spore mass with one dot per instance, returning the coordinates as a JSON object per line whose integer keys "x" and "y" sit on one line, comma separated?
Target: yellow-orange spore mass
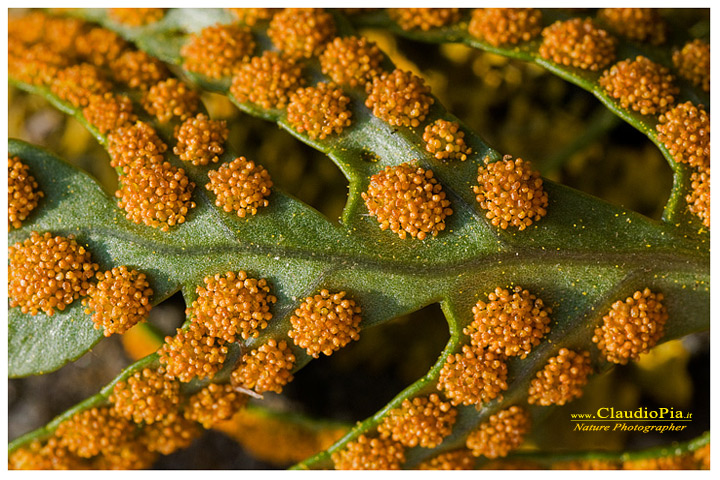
{"x": 423, "y": 421}
{"x": 134, "y": 146}
{"x": 267, "y": 80}
{"x": 119, "y": 301}
{"x": 241, "y": 186}
{"x": 561, "y": 380}
{"x": 130, "y": 455}
{"x": 445, "y": 141}
{"x": 685, "y": 132}
{"x": 267, "y": 368}
{"x": 369, "y": 454}
{"x": 251, "y": 16}
{"x": 325, "y": 322}
{"x": 192, "y": 353}
{"x": 23, "y": 192}
{"x": 399, "y": 98}
{"x": 47, "y": 273}
{"x": 107, "y": 112}
{"x": 505, "y": 26}
{"x": 49, "y": 455}
{"x": 77, "y": 83}
{"x": 578, "y": 43}
{"x": 319, "y": 111}
{"x": 509, "y": 323}
{"x": 233, "y": 305}
{"x": 500, "y": 433}
{"x": 301, "y": 32}
{"x": 214, "y": 404}
{"x": 407, "y": 199}
{"x": 641, "y": 85}
{"x": 639, "y": 24}
{"x": 100, "y": 46}
{"x": 94, "y": 431}
{"x": 137, "y": 69}
{"x": 28, "y": 28}
{"x": 699, "y": 197}
{"x": 60, "y": 34}
{"x": 632, "y": 327}
{"x": 511, "y": 192}
{"x": 34, "y": 64}
{"x": 218, "y": 50}
{"x": 157, "y": 195}
{"x": 351, "y": 61}
{"x": 147, "y": 396}
{"x": 693, "y": 63}
{"x": 172, "y": 433}
{"x": 594, "y": 464}
{"x": 137, "y": 17}
{"x": 171, "y": 99}
{"x": 200, "y": 140}
{"x": 473, "y": 377}
{"x": 424, "y": 18}
{"x": 454, "y": 460}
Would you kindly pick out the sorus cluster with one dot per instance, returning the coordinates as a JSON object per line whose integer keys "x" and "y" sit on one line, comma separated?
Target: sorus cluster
{"x": 639, "y": 24}
{"x": 214, "y": 404}
{"x": 693, "y": 63}
{"x": 512, "y": 193}
{"x": 108, "y": 111}
{"x": 325, "y": 322}
{"x": 241, "y": 186}
{"x": 632, "y": 327}
{"x": 424, "y": 18}
{"x": 500, "y": 433}
{"x": 352, "y": 61}
{"x": 119, "y": 300}
{"x": 577, "y": 43}
{"x": 445, "y": 141}
{"x": 454, "y": 460}
{"x": 267, "y": 368}
{"x": 399, "y": 98}
{"x": 217, "y": 50}
{"x": 192, "y": 353}
{"x": 685, "y": 132}
{"x": 76, "y": 83}
{"x": 49, "y": 455}
{"x": 136, "y": 17}
{"x": 170, "y": 99}
{"x": 561, "y": 380}
{"x": 94, "y": 431}
{"x": 473, "y": 377}
{"x": 699, "y": 197}
{"x": 233, "y": 305}
{"x": 200, "y": 140}
{"x": 267, "y": 80}
{"x": 100, "y": 46}
{"x": 301, "y": 32}
{"x": 641, "y": 85}
{"x": 319, "y": 111}
{"x": 47, "y": 273}
{"x": 134, "y": 146}
{"x": 170, "y": 434}
{"x": 509, "y": 323}
{"x": 407, "y": 199}
{"x": 147, "y": 396}
{"x": 423, "y": 421}
{"x": 251, "y": 16}
{"x": 23, "y": 192}
{"x": 137, "y": 69}
{"x": 505, "y": 26}
{"x": 369, "y": 453}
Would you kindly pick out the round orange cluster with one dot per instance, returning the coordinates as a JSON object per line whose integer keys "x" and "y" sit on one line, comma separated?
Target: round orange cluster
{"x": 75, "y": 84}
{"x": 561, "y": 380}
{"x": 319, "y": 111}
{"x": 49, "y": 455}
{"x": 424, "y": 18}
{"x": 473, "y": 377}
{"x": 134, "y": 146}
{"x": 454, "y": 460}
{"x": 130, "y": 455}
{"x": 233, "y": 305}
{"x": 423, "y": 421}
{"x": 136, "y": 17}
{"x": 137, "y": 69}
{"x": 693, "y": 63}
{"x": 699, "y": 197}
{"x": 47, "y": 273}
{"x": 100, "y": 46}
{"x": 267, "y": 368}
{"x": 325, "y": 323}
{"x": 200, "y": 140}
{"x": 34, "y": 64}
{"x": 505, "y": 26}
{"x": 171, "y": 98}
{"x": 241, "y": 186}
{"x": 641, "y": 84}
{"x": 192, "y": 353}
{"x": 639, "y": 24}
{"x": 369, "y": 454}
{"x": 107, "y": 112}
{"x": 158, "y": 195}
{"x": 28, "y": 28}
{"x": 301, "y": 32}
{"x": 632, "y": 327}
{"x": 217, "y": 50}
{"x": 500, "y": 434}
{"x": 251, "y": 16}
{"x": 267, "y": 80}
{"x": 352, "y": 61}
{"x": 446, "y": 141}
{"x": 685, "y": 132}
{"x": 94, "y": 431}
{"x": 400, "y": 98}
{"x": 23, "y": 192}
{"x": 146, "y": 396}
{"x": 577, "y": 43}
{"x": 509, "y": 323}
{"x": 214, "y": 404}
{"x": 512, "y": 193}
{"x": 120, "y": 300}
{"x": 407, "y": 199}
{"x": 169, "y": 435}
{"x": 59, "y": 34}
